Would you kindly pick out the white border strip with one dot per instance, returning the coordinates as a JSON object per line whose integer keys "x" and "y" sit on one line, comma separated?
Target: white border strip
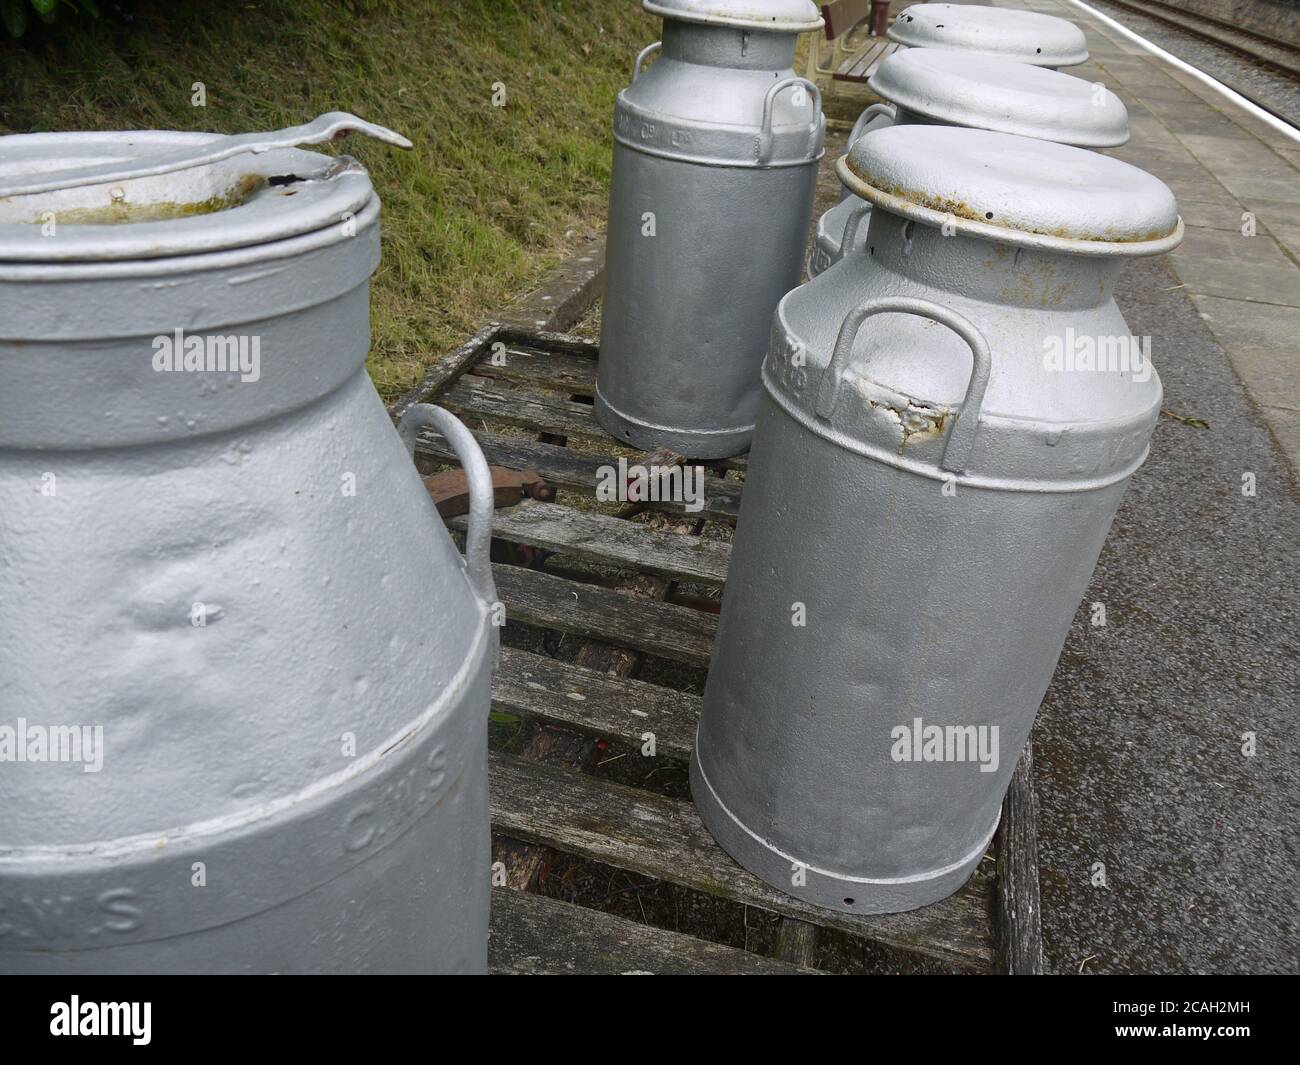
{"x": 1278, "y": 124}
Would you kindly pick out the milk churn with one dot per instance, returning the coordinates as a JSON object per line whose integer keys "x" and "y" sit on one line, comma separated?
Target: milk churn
{"x": 1016, "y": 36}
{"x": 949, "y": 422}
{"x": 246, "y": 672}
{"x": 1024, "y": 36}
{"x": 715, "y": 162}
{"x": 965, "y": 89}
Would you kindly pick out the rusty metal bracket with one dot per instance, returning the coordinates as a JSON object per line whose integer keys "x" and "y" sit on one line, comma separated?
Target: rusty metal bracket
{"x": 449, "y": 489}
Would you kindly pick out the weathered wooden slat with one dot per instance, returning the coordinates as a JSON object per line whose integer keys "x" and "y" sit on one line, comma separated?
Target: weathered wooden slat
{"x": 541, "y": 368}
{"x": 477, "y": 397}
{"x": 602, "y": 538}
{"x": 662, "y": 629}
{"x": 566, "y": 467}
{"x": 866, "y": 61}
{"x": 595, "y": 702}
{"x": 564, "y": 295}
{"x": 1019, "y": 915}
{"x": 446, "y": 370}
{"x": 852, "y": 68}
{"x": 890, "y": 48}
{"x": 642, "y": 832}
{"x": 549, "y": 340}
{"x": 796, "y": 942}
{"x": 532, "y": 935}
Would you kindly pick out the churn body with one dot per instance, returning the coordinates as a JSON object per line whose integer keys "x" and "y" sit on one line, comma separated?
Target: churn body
{"x": 235, "y": 575}
{"x": 716, "y": 146}
{"x": 921, "y": 522}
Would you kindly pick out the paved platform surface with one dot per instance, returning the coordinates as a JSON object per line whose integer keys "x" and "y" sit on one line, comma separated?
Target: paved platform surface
{"x": 1227, "y": 169}
{"x": 1139, "y": 742}
{"x": 1139, "y": 762}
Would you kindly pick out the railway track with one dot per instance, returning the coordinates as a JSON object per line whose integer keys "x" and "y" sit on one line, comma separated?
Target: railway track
{"x": 1276, "y": 55}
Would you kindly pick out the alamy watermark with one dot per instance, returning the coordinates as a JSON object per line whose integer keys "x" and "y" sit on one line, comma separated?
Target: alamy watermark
{"x": 651, "y": 484}
{"x": 1074, "y": 353}
{"x": 130, "y": 1019}
{"x": 53, "y": 743}
{"x": 919, "y": 742}
{"x": 208, "y": 354}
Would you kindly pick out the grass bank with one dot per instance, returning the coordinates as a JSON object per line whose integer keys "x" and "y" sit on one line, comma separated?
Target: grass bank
{"x": 490, "y": 197}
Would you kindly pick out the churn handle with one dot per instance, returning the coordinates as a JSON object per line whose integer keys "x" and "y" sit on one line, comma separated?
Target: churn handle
{"x": 765, "y": 137}
{"x": 961, "y": 436}
{"x": 642, "y": 56}
{"x": 851, "y": 226}
{"x": 482, "y": 498}
{"x": 867, "y": 116}
{"x": 326, "y": 127}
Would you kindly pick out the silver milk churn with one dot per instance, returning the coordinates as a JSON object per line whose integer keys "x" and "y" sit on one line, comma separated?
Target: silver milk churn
{"x": 245, "y": 671}
{"x": 1015, "y": 36}
{"x": 1024, "y": 36}
{"x": 966, "y": 89}
{"x": 716, "y": 148}
{"x": 949, "y": 422}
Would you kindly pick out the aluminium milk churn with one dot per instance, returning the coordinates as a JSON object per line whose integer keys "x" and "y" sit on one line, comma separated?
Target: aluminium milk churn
{"x": 245, "y": 671}
{"x": 949, "y": 422}
{"x": 1014, "y": 36}
{"x": 966, "y": 89}
{"x": 716, "y": 148}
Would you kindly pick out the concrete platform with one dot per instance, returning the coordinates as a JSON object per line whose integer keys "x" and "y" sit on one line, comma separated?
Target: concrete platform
{"x": 1164, "y": 848}
{"x": 1139, "y": 761}
{"x": 1227, "y": 168}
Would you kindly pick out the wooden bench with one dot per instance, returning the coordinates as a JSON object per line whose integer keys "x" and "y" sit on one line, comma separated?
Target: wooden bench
{"x": 849, "y": 61}
{"x": 610, "y": 617}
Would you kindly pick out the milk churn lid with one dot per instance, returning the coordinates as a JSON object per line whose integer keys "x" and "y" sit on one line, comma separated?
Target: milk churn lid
{"x": 1013, "y": 190}
{"x": 1024, "y": 36}
{"x": 984, "y": 92}
{"x": 783, "y": 16}
{"x": 146, "y": 194}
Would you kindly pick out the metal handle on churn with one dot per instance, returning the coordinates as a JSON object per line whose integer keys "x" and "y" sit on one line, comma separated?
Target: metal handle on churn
{"x": 326, "y": 127}
{"x": 482, "y": 499}
{"x": 765, "y": 137}
{"x": 866, "y": 116}
{"x": 642, "y": 56}
{"x": 961, "y": 436}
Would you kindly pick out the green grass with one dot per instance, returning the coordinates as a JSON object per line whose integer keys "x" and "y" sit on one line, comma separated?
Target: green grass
{"x": 489, "y": 198}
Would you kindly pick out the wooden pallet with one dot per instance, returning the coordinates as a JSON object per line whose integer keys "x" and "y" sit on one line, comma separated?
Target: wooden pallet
{"x": 547, "y": 801}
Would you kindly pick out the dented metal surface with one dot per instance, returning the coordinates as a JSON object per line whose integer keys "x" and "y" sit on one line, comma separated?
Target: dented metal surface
{"x": 926, "y": 498}
{"x": 218, "y": 556}
{"x": 941, "y": 87}
{"x": 716, "y": 147}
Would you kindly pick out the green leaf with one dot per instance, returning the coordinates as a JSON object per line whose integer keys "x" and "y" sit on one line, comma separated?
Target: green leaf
{"x": 14, "y": 14}
{"x": 91, "y": 8}
{"x": 45, "y": 7}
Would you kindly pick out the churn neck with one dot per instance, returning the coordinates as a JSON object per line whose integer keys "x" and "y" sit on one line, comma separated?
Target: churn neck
{"x": 737, "y": 47}
{"x": 986, "y": 270}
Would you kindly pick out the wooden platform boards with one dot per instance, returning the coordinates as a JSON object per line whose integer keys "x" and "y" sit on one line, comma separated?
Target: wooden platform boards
{"x": 863, "y": 63}
{"x": 611, "y": 611}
